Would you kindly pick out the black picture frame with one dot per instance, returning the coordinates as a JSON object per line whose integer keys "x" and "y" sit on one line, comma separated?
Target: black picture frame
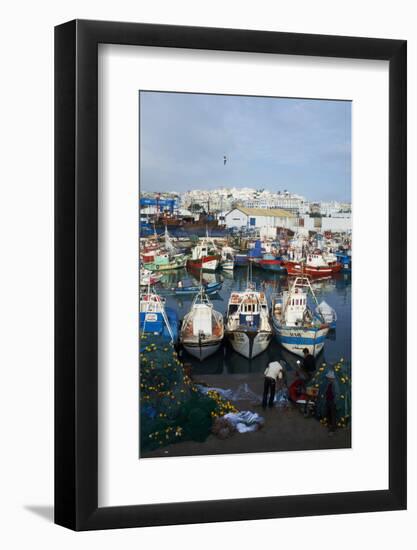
{"x": 76, "y": 272}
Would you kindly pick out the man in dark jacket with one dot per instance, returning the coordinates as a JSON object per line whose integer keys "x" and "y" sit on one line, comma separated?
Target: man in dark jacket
{"x": 330, "y": 402}
{"x": 309, "y": 363}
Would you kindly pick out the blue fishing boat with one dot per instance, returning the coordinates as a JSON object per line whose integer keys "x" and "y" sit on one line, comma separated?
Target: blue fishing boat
{"x": 256, "y": 250}
{"x": 157, "y": 319}
{"x": 209, "y": 288}
{"x": 271, "y": 262}
{"x": 296, "y": 325}
{"x": 241, "y": 259}
{"x": 345, "y": 260}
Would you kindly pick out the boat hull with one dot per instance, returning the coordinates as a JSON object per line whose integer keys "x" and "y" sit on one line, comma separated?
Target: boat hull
{"x": 294, "y": 268}
{"x": 165, "y": 266}
{"x": 210, "y": 288}
{"x": 228, "y": 265}
{"x": 153, "y": 323}
{"x": 241, "y": 260}
{"x": 296, "y": 339}
{"x": 249, "y": 343}
{"x": 202, "y": 350}
{"x": 208, "y": 263}
{"x": 272, "y": 265}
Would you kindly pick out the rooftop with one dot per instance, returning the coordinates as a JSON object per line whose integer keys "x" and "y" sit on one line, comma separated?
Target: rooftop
{"x": 274, "y": 212}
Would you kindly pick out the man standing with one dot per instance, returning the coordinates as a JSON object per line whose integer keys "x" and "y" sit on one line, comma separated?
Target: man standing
{"x": 330, "y": 403}
{"x": 309, "y": 363}
{"x": 273, "y": 372}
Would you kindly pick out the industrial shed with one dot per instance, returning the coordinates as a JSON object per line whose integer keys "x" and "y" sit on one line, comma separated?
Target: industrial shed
{"x": 260, "y": 217}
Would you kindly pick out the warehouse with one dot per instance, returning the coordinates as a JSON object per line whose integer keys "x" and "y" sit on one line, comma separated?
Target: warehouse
{"x": 260, "y": 217}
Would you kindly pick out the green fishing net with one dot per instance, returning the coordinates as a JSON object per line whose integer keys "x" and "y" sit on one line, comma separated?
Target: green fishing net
{"x": 342, "y": 391}
{"x": 171, "y": 407}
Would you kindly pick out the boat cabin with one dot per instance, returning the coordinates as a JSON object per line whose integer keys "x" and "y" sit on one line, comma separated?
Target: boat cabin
{"x": 202, "y": 320}
{"x": 248, "y": 306}
{"x": 295, "y": 306}
{"x": 151, "y": 313}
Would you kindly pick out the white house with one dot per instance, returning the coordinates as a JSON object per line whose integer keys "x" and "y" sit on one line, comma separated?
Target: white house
{"x": 259, "y": 217}
{"x": 341, "y": 222}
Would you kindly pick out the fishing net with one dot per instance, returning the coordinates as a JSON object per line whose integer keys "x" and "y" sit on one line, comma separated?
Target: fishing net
{"x": 171, "y": 407}
{"x": 342, "y": 385}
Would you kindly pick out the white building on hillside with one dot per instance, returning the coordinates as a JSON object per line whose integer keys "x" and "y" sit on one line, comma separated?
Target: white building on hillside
{"x": 286, "y": 201}
{"x": 260, "y": 217}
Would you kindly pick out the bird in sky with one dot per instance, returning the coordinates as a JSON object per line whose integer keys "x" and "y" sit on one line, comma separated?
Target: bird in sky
{"x": 224, "y": 160}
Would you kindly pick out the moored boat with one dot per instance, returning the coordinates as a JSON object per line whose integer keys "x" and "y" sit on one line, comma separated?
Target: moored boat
{"x": 295, "y": 325}
{"x": 147, "y": 278}
{"x": 157, "y": 319}
{"x": 227, "y": 261}
{"x": 327, "y": 313}
{"x": 163, "y": 261}
{"x": 346, "y": 260}
{"x": 270, "y": 262}
{"x": 241, "y": 259}
{"x": 247, "y": 322}
{"x": 209, "y": 288}
{"x": 314, "y": 266}
{"x": 204, "y": 256}
{"x": 202, "y": 329}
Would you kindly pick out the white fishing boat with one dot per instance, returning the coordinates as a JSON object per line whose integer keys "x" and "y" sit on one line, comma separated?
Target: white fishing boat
{"x": 247, "y": 322}
{"x": 328, "y": 313}
{"x": 146, "y": 277}
{"x": 227, "y": 261}
{"x": 202, "y": 329}
{"x": 296, "y": 325}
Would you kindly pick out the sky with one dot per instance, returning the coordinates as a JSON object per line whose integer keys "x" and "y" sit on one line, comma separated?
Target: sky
{"x": 299, "y": 145}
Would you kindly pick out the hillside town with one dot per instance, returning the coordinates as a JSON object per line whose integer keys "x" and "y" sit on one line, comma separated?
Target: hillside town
{"x": 238, "y": 208}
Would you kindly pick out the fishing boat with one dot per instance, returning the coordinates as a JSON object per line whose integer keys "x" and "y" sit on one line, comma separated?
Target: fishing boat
{"x": 327, "y": 313}
{"x": 202, "y": 329}
{"x": 163, "y": 259}
{"x": 157, "y": 319}
{"x": 314, "y": 265}
{"x": 241, "y": 259}
{"x": 204, "y": 256}
{"x": 296, "y": 326}
{"x": 346, "y": 260}
{"x": 247, "y": 322}
{"x": 271, "y": 262}
{"x": 209, "y": 288}
{"x": 255, "y": 250}
{"x": 147, "y": 278}
{"x": 227, "y": 261}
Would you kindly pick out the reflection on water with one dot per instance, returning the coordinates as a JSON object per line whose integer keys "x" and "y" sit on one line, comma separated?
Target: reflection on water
{"x": 336, "y": 291}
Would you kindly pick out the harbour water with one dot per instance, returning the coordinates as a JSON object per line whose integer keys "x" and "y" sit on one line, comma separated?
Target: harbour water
{"x": 336, "y": 291}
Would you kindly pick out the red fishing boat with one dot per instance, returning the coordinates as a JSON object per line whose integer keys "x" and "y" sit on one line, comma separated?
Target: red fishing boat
{"x": 205, "y": 256}
{"x": 314, "y": 266}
